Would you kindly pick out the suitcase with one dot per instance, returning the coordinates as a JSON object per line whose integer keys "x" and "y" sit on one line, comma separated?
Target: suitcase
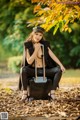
{"x": 40, "y": 86}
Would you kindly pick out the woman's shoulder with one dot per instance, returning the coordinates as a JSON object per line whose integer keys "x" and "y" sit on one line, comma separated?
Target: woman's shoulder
{"x": 45, "y": 42}
{"x": 27, "y": 43}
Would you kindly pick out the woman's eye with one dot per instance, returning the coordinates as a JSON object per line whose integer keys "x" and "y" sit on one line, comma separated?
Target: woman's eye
{"x": 36, "y": 34}
{"x": 40, "y": 35}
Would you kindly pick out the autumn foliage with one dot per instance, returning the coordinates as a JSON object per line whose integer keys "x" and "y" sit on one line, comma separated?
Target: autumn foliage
{"x": 51, "y": 13}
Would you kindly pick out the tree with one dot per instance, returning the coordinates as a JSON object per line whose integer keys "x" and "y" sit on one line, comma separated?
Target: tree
{"x": 67, "y": 46}
{"x": 13, "y": 28}
{"x": 14, "y": 14}
{"x": 52, "y": 14}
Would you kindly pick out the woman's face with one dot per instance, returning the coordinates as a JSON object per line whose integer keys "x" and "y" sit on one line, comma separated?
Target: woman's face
{"x": 37, "y": 37}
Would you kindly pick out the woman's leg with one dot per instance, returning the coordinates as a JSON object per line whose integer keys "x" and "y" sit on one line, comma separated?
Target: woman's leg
{"x": 57, "y": 77}
{"x": 26, "y": 74}
{"x": 55, "y": 73}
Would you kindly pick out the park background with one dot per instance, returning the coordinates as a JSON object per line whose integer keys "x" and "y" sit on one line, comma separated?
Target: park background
{"x": 62, "y": 25}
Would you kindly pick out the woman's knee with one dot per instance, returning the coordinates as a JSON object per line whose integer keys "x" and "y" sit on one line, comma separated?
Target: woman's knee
{"x": 24, "y": 69}
{"x": 59, "y": 69}
{"x": 56, "y": 69}
{"x": 28, "y": 71}
{"x": 24, "y": 74}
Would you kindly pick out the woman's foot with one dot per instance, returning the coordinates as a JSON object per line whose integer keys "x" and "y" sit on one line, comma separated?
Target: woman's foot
{"x": 24, "y": 96}
{"x": 30, "y": 99}
{"x": 52, "y": 95}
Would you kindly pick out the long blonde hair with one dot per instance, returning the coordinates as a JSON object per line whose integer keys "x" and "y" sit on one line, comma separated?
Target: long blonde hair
{"x": 30, "y": 37}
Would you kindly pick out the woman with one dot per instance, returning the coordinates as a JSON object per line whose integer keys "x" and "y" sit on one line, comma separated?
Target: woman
{"x": 33, "y": 52}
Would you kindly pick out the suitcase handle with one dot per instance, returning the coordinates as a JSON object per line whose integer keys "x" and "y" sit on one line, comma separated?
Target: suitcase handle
{"x": 44, "y": 78}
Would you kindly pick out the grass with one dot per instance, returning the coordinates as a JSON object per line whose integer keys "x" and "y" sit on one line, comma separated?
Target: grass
{"x": 71, "y": 78}
{"x": 72, "y": 73}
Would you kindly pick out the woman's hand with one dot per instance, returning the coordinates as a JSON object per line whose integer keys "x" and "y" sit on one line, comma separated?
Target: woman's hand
{"x": 62, "y": 68}
{"x": 37, "y": 46}
{"x": 31, "y": 58}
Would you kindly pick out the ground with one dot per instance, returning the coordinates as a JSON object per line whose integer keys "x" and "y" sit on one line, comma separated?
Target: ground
{"x": 66, "y": 106}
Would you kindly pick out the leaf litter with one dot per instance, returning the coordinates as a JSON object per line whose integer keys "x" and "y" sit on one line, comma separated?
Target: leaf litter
{"x": 67, "y": 104}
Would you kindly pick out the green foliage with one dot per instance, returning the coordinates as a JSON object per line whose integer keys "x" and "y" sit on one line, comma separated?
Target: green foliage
{"x": 2, "y": 53}
{"x": 14, "y": 14}
{"x": 67, "y": 46}
{"x": 14, "y": 41}
{"x": 13, "y": 27}
{"x": 14, "y": 63}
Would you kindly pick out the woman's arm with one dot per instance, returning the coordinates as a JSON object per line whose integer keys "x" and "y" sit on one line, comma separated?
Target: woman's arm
{"x": 53, "y": 56}
{"x": 30, "y": 59}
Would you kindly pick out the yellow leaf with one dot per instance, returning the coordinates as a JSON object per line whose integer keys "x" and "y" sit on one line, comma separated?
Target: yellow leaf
{"x": 33, "y": 1}
{"x": 37, "y": 8}
{"x": 69, "y": 30}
